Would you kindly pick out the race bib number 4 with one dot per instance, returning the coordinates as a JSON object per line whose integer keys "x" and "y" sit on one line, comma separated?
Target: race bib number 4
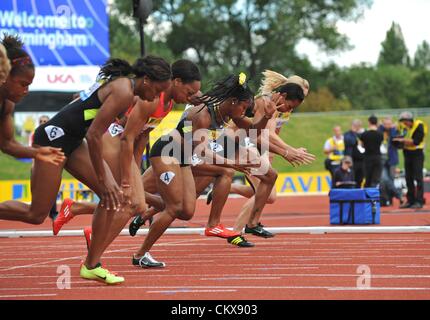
{"x": 167, "y": 177}
{"x": 54, "y": 132}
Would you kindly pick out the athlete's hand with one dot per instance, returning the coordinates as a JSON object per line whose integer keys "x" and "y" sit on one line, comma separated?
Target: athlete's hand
{"x": 51, "y": 155}
{"x": 238, "y": 168}
{"x": 112, "y": 195}
{"x": 195, "y": 99}
{"x": 298, "y": 156}
{"x": 274, "y": 104}
{"x": 246, "y": 167}
{"x": 126, "y": 194}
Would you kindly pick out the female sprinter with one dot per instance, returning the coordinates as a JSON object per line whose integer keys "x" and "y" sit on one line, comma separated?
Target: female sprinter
{"x": 89, "y": 117}
{"x": 293, "y": 90}
{"x": 17, "y": 73}
{"x": 171, "y": 155}
{"x": 143, "y": 118}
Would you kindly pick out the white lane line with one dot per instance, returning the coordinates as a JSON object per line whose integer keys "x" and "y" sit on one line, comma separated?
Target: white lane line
{"x": 281, "y": 268}
{"x": 134, "y": 247}
{"x": 312, "y": 275}
{"x": 263, "y": 265}
{"x": 233, "y": 287}
{"x": 377, "y": 289}
{"x": 227, "y": 277}
{"x": 188, "y": 291}
{"x": 224, "y": 277}
{"x": 29, "y": 295}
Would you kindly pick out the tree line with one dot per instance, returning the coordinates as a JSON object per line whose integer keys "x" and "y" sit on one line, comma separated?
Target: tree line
{"x": 224, "y": 36}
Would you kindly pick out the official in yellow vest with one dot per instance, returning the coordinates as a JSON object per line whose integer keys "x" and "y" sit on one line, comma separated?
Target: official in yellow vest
{"x": 414, "y": 133}
{"x": 334, "y": 148}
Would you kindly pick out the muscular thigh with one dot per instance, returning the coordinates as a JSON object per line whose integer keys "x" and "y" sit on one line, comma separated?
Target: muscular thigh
{"x": 168, "y": 178}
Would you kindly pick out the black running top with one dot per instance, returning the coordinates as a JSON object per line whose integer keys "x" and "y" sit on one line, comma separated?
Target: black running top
{"x": 76, "y": 117}
{"x": 187, "y": 128}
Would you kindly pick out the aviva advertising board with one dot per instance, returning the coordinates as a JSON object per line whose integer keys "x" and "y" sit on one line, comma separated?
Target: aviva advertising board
{"x": 287, "y": 184}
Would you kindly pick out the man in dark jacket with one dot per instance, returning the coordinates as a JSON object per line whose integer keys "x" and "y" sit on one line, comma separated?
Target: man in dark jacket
{"x": 413, "y": 132}
{"x": 372, "y": 140}
{"x": 354, "y": 150}
{"x": 390, "y": 160}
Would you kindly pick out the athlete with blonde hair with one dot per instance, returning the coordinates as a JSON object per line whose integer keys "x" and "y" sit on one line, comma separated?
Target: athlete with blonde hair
{"x": 4, "y": 64}
{"x": 293, "y": 91}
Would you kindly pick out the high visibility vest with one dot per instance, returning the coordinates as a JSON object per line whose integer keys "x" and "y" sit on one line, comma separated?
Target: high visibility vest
{"x": 339, "y": 153}
{"x": 409, "y": 132}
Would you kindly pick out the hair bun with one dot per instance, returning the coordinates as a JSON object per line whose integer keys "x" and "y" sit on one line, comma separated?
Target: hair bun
{"x": 12, "y": 42}
{"x": 242, "y": 78}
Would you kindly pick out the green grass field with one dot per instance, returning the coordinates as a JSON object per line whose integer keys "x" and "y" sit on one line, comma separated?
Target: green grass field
{"x": 302, "y": 131}
{"x": 312, "y": 132}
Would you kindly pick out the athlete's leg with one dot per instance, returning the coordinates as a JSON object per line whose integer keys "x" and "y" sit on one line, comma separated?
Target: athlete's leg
{"x": 171, "y": 188}
{"x": 221, "y": 189}
{"x": 120, "y": 218}
{"x": 245, "y": 212}
{"x": 243, "y": 190}
{"x": 45, "y": 183}
{"x": 80, "y": 166}
{"x": 189, "y": 194}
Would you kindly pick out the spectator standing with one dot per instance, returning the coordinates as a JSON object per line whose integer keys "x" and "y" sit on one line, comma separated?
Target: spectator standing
{"x": 413, "y": 132}
{"x": 355, "y": 151}
{"x": 390, "y": 160}
{"x": 334, "y": 148}
{"x": 372, "y": 140}
{"x": 42, "y": 120}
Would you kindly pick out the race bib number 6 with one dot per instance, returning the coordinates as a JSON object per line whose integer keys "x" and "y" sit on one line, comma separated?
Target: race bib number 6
{"x": 54, "y": 132}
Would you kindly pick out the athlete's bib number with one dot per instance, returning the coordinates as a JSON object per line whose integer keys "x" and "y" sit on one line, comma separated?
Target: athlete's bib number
{"x": 115, "y": 129}
{"x": 215, "y": 147}
{"x": 54, "y": 132}
{"x": 248, "y": 143}
{"x": 167, "y": 177}
{"x": 195, "y": 160}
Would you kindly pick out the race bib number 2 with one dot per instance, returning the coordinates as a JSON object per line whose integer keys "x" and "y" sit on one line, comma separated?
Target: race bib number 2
{"x": 54, "y": 132}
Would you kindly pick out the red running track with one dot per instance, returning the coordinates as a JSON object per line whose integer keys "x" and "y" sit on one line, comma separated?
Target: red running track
{"x": 289, "y": 266}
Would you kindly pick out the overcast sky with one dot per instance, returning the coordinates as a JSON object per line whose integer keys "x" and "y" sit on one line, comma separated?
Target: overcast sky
{"x": 367, "y": 34}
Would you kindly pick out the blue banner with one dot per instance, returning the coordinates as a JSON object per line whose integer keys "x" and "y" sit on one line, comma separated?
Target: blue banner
{"x": 59, "y": 32}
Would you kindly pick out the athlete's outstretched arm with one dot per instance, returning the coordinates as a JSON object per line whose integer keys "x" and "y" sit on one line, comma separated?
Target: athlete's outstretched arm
{"x": 136, "y": 121}
{"x": 119, "y": 95}
{"x": 10, "y": 146}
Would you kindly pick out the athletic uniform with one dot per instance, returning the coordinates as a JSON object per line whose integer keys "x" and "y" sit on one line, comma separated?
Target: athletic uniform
{"x": 154, "y": 119}
{"x": 184, "y": 127}
{"x": 68, "y": 127}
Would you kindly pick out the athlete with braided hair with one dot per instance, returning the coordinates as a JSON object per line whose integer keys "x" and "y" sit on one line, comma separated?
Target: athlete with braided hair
{"x": 171, "y": 155}
{"x": 17, "y": 71}
{"x": 132, "y": 132}
{"x": 89, "y": 116}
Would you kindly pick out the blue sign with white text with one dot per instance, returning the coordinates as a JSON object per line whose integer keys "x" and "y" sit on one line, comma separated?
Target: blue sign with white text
{"x": 59, "y": 32}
